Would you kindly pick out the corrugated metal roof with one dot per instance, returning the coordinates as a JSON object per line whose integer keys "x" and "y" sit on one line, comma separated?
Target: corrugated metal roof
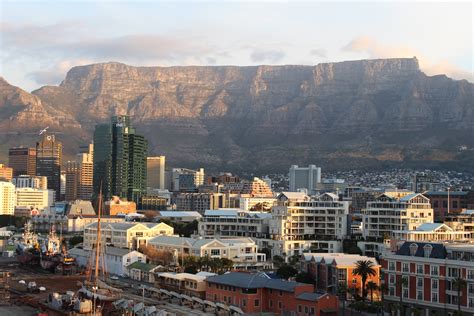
{"x": 253, "y": 281}
{"x": 312, "y": 297}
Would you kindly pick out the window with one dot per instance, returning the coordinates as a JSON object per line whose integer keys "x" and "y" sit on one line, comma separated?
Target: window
{"x": 434, "y": 297}
{"x": 257, "y": 303}
{"x": 391, "y": 265}
{"x": 391, "y": 278}
{"x": 419, "y": 282}
{"x": 419, "y": 295}
{"x": 215, "y": 252}
{"x": 312, "y": 310}
{"x": 300, "y": 309}
{"x": 413, "y": 249}
{"x": 470, "y": 274}
{"x": 470, "y": 288}
{"x": 453, "y": 272}
{"x": 354, "y": 281}
{"x": 434, "y": 270}
{"x": 281, "y": 293}
{"x": 471, "y": 302}
{"x": 427, "y": 250}
{"x": 434, "y": 284}
{"x": 306, "y": 309}
{"x": 391, "y": 291}
{"x": 271, "y": 303}
{"x": 244, "y": 302}
{"x": 405, "y": 293}
{"x": 279, "y": 305}
{"x": 419, "y": 269}
{"x": 405, "y": 267}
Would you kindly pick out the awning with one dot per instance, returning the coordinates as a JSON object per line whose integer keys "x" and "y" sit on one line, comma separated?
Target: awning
{"x": 186, "y": 297}
{"x": 236, "y": 309}
{"x": 138, "y": 307}
{"x": 223, "y": 306}
{"x": 164, "y": 291}
{"x": 209, "y": 303}
{"x": 198, "y": 300}
{"x": 172, "y": 293}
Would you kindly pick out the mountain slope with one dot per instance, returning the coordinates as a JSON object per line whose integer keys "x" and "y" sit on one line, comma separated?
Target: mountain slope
{"x": 349, "y": 114}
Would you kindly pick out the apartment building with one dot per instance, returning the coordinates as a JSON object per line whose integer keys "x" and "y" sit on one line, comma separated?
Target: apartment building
{"x": 463, "y": 221}
{"x": 333, "y": 270}
{"x": 305, "y": 178}
{"x": 193, "y": 285}
{"x": 7, "y": 198}
{"x": 199, "y": 202}
{"x": 432, "y": 232}
{"x": 124, "y": 235}
{"x": 225, "y": 223}
{"x": 27, "y": 181}
{"x": 242, "y": 251}
{"x": 34, "y": 198}
{"x": 430, "y": 271}
{"x": 388, "y": 213}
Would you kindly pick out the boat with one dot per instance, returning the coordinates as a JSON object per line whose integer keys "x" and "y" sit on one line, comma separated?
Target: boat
{"x": 27, "y": 249}
{"x": 95, "y": 287}
{"x": 50, "y": 257}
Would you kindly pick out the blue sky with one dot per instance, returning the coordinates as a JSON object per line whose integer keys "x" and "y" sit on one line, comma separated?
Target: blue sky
{"x": 41, "y": 40}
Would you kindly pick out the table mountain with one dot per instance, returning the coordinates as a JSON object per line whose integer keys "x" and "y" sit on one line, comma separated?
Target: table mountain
{"x": 348, "y": 114}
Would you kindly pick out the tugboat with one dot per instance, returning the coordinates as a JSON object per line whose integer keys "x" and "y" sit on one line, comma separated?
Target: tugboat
{"x": 51, "y": 256}
{"x": 27, "y": 248}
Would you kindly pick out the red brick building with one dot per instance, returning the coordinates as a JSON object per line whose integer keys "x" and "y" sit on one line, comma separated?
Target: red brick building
{"x": 439, "y": 202}
{"x": 257, "y": 293}
{"x": 430, "y": 269}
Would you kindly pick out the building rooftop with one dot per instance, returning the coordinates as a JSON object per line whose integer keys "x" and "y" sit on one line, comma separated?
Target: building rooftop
{"x": 179, "y": 214}
{"x": 146, "y": 267}
{"x": 438, "y": 251}
{"x": 445, "y": 193}
{"x": 253, "y": 281}
{"x": 340, "y": 259}
{"x": 312, "y": 297}
{"x": 432, "y": 227}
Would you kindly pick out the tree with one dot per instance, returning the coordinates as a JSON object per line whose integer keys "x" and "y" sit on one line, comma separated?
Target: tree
{"x": 364, "y": 268}
{"x": 286, "y": 271}
{"x": 372, "y": 286}
{"x": 459, "y": 284}
{"x": 401, "y": 283}
{"x": 354, "y": 250}
{"x": 342, "y": 292}
{"x": 74, "y": 240}
{"x": 227, "y": 264}
{"x": 267, "y": 251}
{"x": 383, "y": 289}
{"x": 278, "y": 261}
{"x": 304, "y": 277}
{"x": 150, "y": 216}
{"x": 157, "y": 256}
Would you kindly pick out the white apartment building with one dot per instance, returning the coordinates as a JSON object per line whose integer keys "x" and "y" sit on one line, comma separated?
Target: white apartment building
{"x": 225, "y": 223}
{"x": 296, "y": 216}
{"x": 37, "y": 198}
{"x": 304, "y": 178}
{"x": 26, "y": 181}
{"x": 7, "y": 198}
{"x": 242, "y": 251}
{"x": 256, "y": 203}
{"x": 431, "y": 232}
{"x": 387, "y": 214}
{"x": 124, "y": 235}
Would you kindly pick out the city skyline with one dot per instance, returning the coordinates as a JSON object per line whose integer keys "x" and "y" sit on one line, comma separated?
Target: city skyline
{"x": 231, "y": 33}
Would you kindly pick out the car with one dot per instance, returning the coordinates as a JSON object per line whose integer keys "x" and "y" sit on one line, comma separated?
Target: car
{"x": 114, "y": 277}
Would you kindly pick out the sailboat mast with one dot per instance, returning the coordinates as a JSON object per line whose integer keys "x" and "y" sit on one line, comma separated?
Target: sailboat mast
{"x": 97, "y": 244}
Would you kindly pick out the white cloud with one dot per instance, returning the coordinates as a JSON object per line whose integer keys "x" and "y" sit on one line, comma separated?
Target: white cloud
{"x": 268, "y": 55}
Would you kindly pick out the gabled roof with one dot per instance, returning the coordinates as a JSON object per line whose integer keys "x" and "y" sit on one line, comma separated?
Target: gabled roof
{"x": 146, "y": 267}
{"x": 253, "y": 281}
{"x": 300, "y": 196}
{"x": 408, "y": 197}
{"x": 432, "y": 227}
{"x": 438, "y": 251}
{"x": 312, "y": 297}
{"x": 340, "y": 259}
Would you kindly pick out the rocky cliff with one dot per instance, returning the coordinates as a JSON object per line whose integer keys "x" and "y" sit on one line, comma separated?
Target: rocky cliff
{"x": 349, "y": 114}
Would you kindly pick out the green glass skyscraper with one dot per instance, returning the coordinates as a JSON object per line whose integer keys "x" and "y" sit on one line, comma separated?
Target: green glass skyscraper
{"x": 119, "y": 160}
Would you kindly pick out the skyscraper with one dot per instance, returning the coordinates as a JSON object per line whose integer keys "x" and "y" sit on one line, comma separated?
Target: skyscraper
{"x": 156, "y": 172}
{"x": 22, "y": 160}
{"x": 79, "y": 175}
{"x": 48, "y": 162}
{"x": 7, "y": 198}
{"x": 119, "y": 160}
{"x": 6, "y": 173}
{"x": 304, "y": 178}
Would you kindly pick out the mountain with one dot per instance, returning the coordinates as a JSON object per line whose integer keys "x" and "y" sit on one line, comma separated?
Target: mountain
{"x": 354, "y": 114}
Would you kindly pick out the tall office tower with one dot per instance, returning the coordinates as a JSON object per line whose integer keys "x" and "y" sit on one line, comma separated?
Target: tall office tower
{"x": 79, "y": 175}
{"x": 156, "y": 172}
{"x": 7, "y": 198}
{"x": 6, "y": 173}
{"x": 187, "y": 180}
{"x": 48, "y": 162}
{"x": 119, "y": 160}
{"x": 22, "y": 160}
{"x": 34, "y": 182}
{"x": 304, "y": 178}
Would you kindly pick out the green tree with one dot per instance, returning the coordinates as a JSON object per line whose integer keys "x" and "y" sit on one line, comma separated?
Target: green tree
{"x": 459, "y": 285}
{"x": 278, "y": 261}
{"x": 342, "y": 293}
{"x": 226, "y": 264}
{"x": 364, "y": 268}
{"x": 304, "y": 277}
{"x": 372, "y": 286}
{"x": 401, "y": 283}
{"x": 286, "y": 271}
{"x": 383, "y": 290}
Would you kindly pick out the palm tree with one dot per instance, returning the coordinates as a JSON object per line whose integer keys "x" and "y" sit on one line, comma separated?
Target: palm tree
{"x": 401, "y": 283}
{"x": 459, "y": 284}
{"x": 372, "y": 286}
{"x": 364, "y": 268}
{"x": 342, "y": 291}
{"x": 383, "y": 289}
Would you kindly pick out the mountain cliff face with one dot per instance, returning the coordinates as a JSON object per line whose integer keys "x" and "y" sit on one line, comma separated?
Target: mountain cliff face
{"x": 349, "y": 114}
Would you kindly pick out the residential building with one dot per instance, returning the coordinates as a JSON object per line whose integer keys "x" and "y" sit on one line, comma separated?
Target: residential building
{"x": 115, "y": 260}
{"x": 79, "y": 176}
{"x": 117, "y": 148}
{"x": 156, "y": 172}
{"x": 387, "y": 214}
{"x": 177, "y": 216}
{"x": 152, "y": 203}
{"x": 225, "y": 223}
{"x": 433, "y": 232}
{"x": 439, "y": 200}
{"x": 430, "y": 270}
{"x": 256, "y": 203}
{"x": 27, "y": 181}
{"x": 7, "y": 198}
{"x": 289, "y": 248}
{"x": 334, "y": 270}
{"x": 124, "y": 235}
{"x": 199, "y": 202}
{"x": 305, "y": 178}
{"x": 187, "y": 180}
{"x": 296, "y": 216}
{"x": 141, "y": 271}
{"x": 6, "y": 173}
{"x": 22, "y": 160}
{"x": 256, "y": 188}
{"x": 463, "y": 221}
{"x": 422, "y": 182}
{"x": 242, "y": 251}
{"x": 69, "y": 222}
{"x": 257, "y": 293}
{"x": 118, "y": 206}
{"x": 34, "y": 198}
{"x": 193, "y": 285}
{"x": 48, "y": 162}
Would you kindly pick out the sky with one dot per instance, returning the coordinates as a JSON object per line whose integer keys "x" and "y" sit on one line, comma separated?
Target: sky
{"x": 41, "y": 40}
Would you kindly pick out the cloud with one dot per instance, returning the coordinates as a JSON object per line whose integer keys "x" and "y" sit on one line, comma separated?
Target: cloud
{"x": 319, "y": 52}
{"x": 270, "y": 55}
{"x": 55, "y": 74}
{"x": 375, "y": 49}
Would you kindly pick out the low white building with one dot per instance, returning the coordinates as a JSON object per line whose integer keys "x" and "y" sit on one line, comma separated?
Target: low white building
{"x": 242, "y": 251}
{"x": 124, "y": 235}
{"x": 115, "y": 259}
{"x": 432, "y": 232}
{"x": 177, "y": 216}
{"x": 36, "y": 198}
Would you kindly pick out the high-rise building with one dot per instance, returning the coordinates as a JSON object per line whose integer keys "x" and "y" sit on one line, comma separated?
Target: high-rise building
{"x": 6, "y": 173}
{"x": 34, "y": 182}
{"x": 119, "y": 160}
{"x": 36, "y": 198}
{"x": 48, "y": 162}
{"x": 156, "y": 172}
{"x": 7, "y": 198}
{"x": 187, "y": 180}
{"x": 22, "y": 160}
{"x": 79, "y": 176}
{"x": 304, "y": 178}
